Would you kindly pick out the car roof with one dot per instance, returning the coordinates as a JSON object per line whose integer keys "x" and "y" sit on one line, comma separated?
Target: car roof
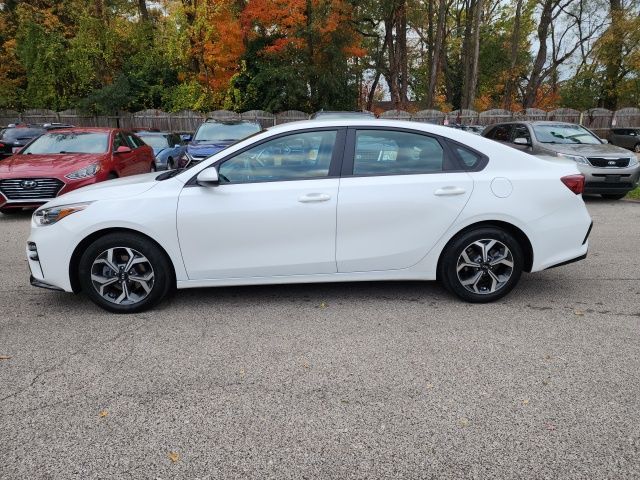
{"x": 154, "y": 134}
{"x": 230, "y": 122}
{"x": 83, "y": 129}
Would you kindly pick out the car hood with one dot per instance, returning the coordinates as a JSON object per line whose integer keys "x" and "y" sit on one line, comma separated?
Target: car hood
{"x": 46, "y": 165}
{"x": 197, "y": 149}
{"x": 588, "y": 150}
{"x": 117, "y": 188}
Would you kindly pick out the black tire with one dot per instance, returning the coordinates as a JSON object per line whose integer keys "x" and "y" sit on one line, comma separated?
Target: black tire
{"x": 448, "y": 267}
{"x": 160, "y": 268}
{"x": 170, "y": 164}
{"x": 112, "y": 176}
{"x": 153, "y": 168}
{"x": 614, "y": 196}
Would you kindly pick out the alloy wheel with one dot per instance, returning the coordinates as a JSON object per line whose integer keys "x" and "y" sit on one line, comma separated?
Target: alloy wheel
{"x": 485, "y": 266}
{"x": 122, "y": 275}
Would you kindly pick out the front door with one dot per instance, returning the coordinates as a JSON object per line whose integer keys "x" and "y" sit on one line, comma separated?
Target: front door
{"x": 397, "y": 199}
{"x": 273, "y": 214}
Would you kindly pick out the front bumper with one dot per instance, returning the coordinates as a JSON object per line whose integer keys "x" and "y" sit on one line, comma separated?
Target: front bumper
{"x": 610, "y": 180}
{"x": 39, "y": 283}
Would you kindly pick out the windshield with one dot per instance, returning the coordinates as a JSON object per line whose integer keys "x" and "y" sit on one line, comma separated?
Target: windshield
{"x": 564, "y": 134}
{"x": 155, "y": 141}
{"x": 212, "y": 132}
{"x": 70, "y": 142}
{"x": 12, "y": 134}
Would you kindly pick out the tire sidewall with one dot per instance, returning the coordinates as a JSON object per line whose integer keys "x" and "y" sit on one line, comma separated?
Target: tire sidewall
{"x": 159, "y": 262}
{"x": 448, "y": 265}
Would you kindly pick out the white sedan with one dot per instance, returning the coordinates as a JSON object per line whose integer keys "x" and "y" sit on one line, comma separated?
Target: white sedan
{"x": 322, "y": 201}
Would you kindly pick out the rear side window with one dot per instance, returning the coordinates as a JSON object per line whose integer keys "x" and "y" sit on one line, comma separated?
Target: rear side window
{"x": 470, "y": 159}
{"x": 501, "y": 133}
{"x": 381, "y": 152}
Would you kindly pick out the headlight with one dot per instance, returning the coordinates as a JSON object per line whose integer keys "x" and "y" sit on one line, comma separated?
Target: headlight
{"x": 86, "y": 172}
{"x": 633, "y": 161}
{"x": 575, "y": 158}
{"x": 184, "y": 160}
{"x": 51, "y": 215}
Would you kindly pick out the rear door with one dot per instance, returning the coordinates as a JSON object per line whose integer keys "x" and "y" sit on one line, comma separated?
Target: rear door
{"x": 399, "y": 192}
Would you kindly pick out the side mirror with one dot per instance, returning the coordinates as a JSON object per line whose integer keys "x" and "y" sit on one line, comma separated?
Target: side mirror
{"x": 604, "y": 140}
{"x": 521, "y": 141}
{"x": 123, "y": 149}
{"x": 208, "y": 177}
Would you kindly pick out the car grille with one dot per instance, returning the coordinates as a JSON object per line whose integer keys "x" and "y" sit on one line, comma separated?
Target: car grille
{"x": 608, "y": 162}
{"x": 24, "y": 189}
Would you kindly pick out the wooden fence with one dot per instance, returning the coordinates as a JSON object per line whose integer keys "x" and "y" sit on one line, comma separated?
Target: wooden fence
{"x": 598, "y": 119}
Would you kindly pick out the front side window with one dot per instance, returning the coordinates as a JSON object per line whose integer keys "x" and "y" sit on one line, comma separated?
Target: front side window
{"x": 380, "y": 152}
{"x": 71, "y": 142}
{"x": 298, "y": 156}
{"x": 119, "y": 141}
{"x": 156, "y": 141}
{"x": 521, "y": 131}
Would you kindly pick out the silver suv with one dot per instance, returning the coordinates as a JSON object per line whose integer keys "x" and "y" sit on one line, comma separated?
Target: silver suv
{"x": 609, "y": 170}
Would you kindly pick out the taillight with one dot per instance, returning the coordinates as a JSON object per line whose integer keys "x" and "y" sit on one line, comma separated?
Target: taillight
{"x": 575, "y": 183}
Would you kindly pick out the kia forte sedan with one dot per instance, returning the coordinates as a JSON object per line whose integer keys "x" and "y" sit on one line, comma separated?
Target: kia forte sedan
{"x": 318, "y": 201}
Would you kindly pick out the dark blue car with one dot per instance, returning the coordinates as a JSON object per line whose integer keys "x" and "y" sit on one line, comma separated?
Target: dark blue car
{"x": 215, "y": 135}
{"x": 167, "y": 148}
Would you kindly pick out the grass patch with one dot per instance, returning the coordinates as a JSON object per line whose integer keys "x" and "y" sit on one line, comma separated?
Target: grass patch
{"x": 635, "y": 194}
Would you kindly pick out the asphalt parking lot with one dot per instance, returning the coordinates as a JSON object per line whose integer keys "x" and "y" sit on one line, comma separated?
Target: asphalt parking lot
{"x": 330, "y": 381}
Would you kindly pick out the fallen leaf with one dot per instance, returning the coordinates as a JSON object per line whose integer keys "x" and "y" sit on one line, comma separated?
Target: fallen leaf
{"x": 463, "y": 422}
{"x": 429, "y": 386}
{"x": 305, "y": 365}
{"x": 545, "y": 382}
{"x": 5, "y": 357}
{"x": 323, "y": 305}
{"x": 579, "y": 312}
{"x": 525, "y": 401}
{"x": 242, "y": 371}
{"x": 174, "y": 456}
{"x": 103, "y": 413}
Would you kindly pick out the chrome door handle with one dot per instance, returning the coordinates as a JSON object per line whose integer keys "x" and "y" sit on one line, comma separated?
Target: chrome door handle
{"x": 449, "y": 191}
{"x": 314, "y": 197}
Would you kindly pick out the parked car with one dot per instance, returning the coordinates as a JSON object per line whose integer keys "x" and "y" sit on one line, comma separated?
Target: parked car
{"x": 213, "y": 136}
{"x": 626, "y": 138}
{"x": 64, "y": 160}
{"x": 476, "y": 129}
{"x": 438, "y": 203}
{"x": 609, "y": 170}
{"x": 339, "y": 115}
{"x": 167, "y": 148}
{"x": 16, "y": 136}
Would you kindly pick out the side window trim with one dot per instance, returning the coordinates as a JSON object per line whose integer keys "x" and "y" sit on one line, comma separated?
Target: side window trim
{"x": 350, "y": 152}
{"x": 334, "y": 167}
{"x": 484, "y": 159}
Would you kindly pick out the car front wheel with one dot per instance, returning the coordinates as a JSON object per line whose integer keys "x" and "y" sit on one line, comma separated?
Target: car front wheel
{"x": 481, "y": 265}
{"x": 125, "y": 273}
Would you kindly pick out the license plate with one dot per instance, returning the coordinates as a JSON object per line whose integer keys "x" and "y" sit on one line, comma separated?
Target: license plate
{"x": 612, "y": 178}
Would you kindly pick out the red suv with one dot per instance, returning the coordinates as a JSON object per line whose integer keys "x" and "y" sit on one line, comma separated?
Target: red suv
{"x": 63, "y": 160}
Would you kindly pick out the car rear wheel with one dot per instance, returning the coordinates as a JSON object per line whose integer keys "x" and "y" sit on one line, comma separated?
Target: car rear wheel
{"x": 481, "y": 265}
{"x": 614, "y": 196}
{"x": 153, "y": 168}
{"x": 125, "y": 273}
